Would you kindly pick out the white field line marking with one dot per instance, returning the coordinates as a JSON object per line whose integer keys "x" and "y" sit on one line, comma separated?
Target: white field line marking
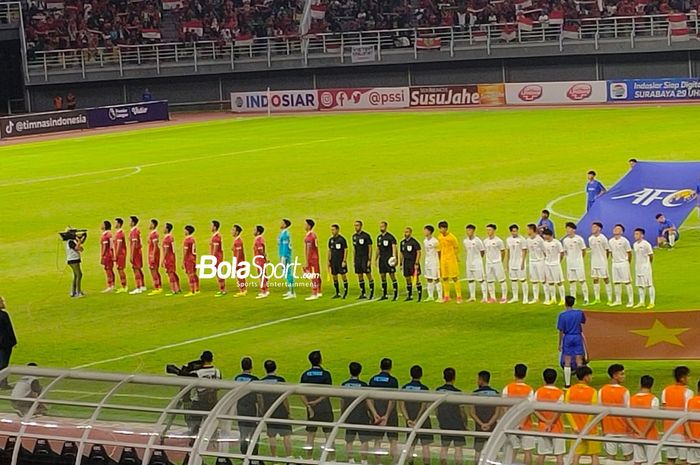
{"x": 138, "y": 168}
{"x": 223, "y": 334}
{"x": 550, "y": 206}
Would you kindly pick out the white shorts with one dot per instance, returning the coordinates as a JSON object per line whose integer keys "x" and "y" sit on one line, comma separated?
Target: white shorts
{"x": 611, "y": 448}
{"x": 537, "y": 272}
{"x": 599, "y": 272}
{"x": 576, "y": 274}
{"x": 495, "y": 272}
{"x": 621, "y": 273}
{"x": 475, "y": 274}
{"x": 522, "y": 442}
{"x": 432, "y": 269}
{"x": 673, "y": 452}
{"x": 694, "y": 456}
{"x": 641, "y": 454}
{"x": 553, "y": 274}
{"x": 516, "y": 274}
{"x": 644, "y": 279}
{"x": 551, "y": 446}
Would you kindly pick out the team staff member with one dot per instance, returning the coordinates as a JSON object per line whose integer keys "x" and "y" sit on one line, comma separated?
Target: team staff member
{"x": 239, "y": 256}
{"x": 449, "y": 270}
{"x": 120, "y": 254}
{"x": 337, "y": 260}
{"x": 484, "y": 416}
{"x": 216, "y": 248}
{"x": 412, "y": 411}
{"x": 154, "y": 257}
{"x": 247, "y": 406}
{"x": 451, "y": 417}
{"x": 106, "y": 256}
{"x": 317, "y": 408}
{"x": 190, "y": 260}
{"x": 362, "y": 245}
{"x": 169, "y": 259}
{"x": 203, "y": 398}
{"x": 8, "y": 340}
{"x": 410, "y": 263}
{"x": 136, "y": 255}
{"x": 359, "y": 415}
{"x": 281, "y": 412}
{"x": 386, "y": 250}
{"x": 384, "y": 411}
{"x": 312, "y": 259}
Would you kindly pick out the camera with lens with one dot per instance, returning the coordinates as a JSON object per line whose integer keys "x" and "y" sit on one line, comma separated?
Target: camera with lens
{"x": 72, "y": 234}
{"x": 190, "y": 369}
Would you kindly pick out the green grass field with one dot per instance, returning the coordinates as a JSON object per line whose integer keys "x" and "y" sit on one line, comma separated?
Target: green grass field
{"x": 406, "y": 168}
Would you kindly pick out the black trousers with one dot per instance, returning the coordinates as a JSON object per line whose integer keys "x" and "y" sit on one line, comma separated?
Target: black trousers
{"x": 5, "y": 354}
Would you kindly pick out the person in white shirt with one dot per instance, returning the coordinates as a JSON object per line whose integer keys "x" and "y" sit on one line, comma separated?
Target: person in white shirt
{"x": 553, "y": 255}
{"x": 495, "y": 251}
{"x": 600, "y": 251}
{"x": 575, "y": 251}
{"x": 535, "y": 258}
{"x": 474, "y": 248}
{"x": 643, "y": 257}
{"x": 517, "y": 251}
{"x": 621, "y": 252}
{"x": 431, "y": 270}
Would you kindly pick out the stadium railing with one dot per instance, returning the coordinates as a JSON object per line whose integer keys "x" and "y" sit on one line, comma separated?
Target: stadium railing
{"x": 108, "y": 416}
{"x": 332, "y": 48}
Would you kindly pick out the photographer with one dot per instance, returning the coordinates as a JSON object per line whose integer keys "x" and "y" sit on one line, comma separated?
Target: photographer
{"x": 74, "y": 247}
{"x": 203, "y": 399}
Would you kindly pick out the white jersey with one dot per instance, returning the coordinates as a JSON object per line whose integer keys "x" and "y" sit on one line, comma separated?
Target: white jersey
{"x": 642, "y": 253}
{"x": 493, "y": 248}
{"x": 552, "y": 252}
{"x": 474, "y": 247}
{"x": 431, "y": 246}
{"x": 599, "y": 250}
{"x": 535, "y": 248}
{"x": 574, "y": 247}
{"x": 515, "y": 245}
{"x": 619, "y": 247}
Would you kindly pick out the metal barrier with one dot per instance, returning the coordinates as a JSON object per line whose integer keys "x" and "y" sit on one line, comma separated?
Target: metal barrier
{"x": 337, "y": 48}
{"x": 187, "y": 420}
{"x": 10, "y": 13}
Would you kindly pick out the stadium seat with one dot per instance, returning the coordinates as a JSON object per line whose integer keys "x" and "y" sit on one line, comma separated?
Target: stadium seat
{"x": 159, "y": 457}
{"x": 42, "y": 454}
{"x": 129, "y": 457}
{"x": 98, "y": 456}
{"x": 68, "y": 453}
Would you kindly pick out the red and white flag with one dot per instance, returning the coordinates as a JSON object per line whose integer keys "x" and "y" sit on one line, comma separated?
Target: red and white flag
{"x": 318, "y": 11}
{"x": 525, "y": 23}
{"x": 679, "y": 35}
{"x": 678, "y": 27}
{"x": 479, "y": 36}
{"x": 570, "y": 31}
{"x": 243, "y": 40}
{"x": 509, "y": 33}
{"x": 522, "y": 4}
{"x": 194, "y": 27}
{"x": 428, "y": 43}
{"x": 54, "y": 5}
{"x": 151, "y": 34}
{"x": 556, "y": 18}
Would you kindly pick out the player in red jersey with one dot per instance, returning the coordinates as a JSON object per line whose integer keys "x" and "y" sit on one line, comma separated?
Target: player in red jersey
{"x": 238, "y": 256}
{"x": 169, "y": 260}
{"x": 154, "y": 257}
{"x": 312, "y": 259}
{"x": 260, "y": 258}
{"x": 106, "y": 254}
{"x": 136, "y": 252}
{"x": 216, "y": 248}
{"x": 190, "y": 260}
{"x": 120, "y": 254}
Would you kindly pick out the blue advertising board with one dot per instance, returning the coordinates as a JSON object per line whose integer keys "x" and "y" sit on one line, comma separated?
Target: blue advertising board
{"x": 640, "y": 90}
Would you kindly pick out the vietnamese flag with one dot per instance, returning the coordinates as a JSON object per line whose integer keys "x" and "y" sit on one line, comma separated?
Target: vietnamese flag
{"x": 643, "y": 335}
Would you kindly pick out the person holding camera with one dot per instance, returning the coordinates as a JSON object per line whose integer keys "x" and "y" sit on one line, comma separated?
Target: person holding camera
{"x": 74, "y": 249}
{"x": 203, "y": 399}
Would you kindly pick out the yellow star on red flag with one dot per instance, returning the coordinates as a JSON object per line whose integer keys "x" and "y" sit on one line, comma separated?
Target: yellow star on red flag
{"x": 659, "y": 333}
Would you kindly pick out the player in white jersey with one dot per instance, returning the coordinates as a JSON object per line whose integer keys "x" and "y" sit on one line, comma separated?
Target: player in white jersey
{"x": 494, "y": 252}
{"x": 575, "y": 251}
{"x": 621, "y": 252}
{"x": 600, "y": 251}
{"x": 643, "y": 257}
{"x": 431, "y": 268}
{"x": 474, "y": 248}
{"x": 553, "y": 255}
{"x": 535, "y": 257}
{"x": 517, "y": 250}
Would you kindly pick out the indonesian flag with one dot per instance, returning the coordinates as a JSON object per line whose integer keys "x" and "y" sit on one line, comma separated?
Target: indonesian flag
{"x": 556, "y": 18}
{"x": 152, "y": 34}
{"x": 508, "y": 34}
{"x": 677, "y": 21}
{"x": 570, "y": 31}
{"x": 195, "y": 27}
{"x": 479, "y": 36}
{"x": 679, "y": 35}
{"x": 522, "y": 4}
{"x": 525, "y": 23}
{"x": 243, "y": 40}
{"x": 643, "y": 335}
{"x": 54, "y": 5}
{"x": 428, "y": 43}
{"x": 318, "y": 11}
{"x": 172, "y": 4}
{"x": 333, "y": 47}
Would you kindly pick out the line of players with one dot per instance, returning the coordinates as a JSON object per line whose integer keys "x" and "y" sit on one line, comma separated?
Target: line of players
{"x": 537, "y": 257}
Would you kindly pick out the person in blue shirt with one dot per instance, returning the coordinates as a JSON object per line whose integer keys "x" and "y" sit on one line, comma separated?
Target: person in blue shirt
{"x": 451, "y": 417}
{"x": 359, "y": 416}
{"x": 545, "y": 223}
{"x": 484, "y": 416}
{"x": 284, "y": 246}
{"x": 412, "y": 411}
{"x": 147, "y": 96}
{"x": 283, "y": 430}
{"x": 317, "y": 408}
{"x": 668, "y": 233}
{"x": 594, "y": 189}
{"x": 572, "y": 344}
{"x": 247, "y": 406}
{"x": 385, "y": 411}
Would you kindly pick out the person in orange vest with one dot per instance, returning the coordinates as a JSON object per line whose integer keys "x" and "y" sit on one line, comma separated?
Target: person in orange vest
{"x": 520, "y": 389}
{"x": 614, "y": 394}
{"x": 676, "y": 397}
{"x": 692, "y": 428}
{"x": 58, "y": 103}
{"x": 644, "y": 428}
{"x": 583, "y": 393}
{"x": 550, "y": 422}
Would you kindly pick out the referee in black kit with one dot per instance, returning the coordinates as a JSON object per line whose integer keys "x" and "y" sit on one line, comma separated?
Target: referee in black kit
{"x": 410, "y": 263}
{"x": 362, "y": 243}
{"x": 338, "y": 260}
{"x": 386, "y": 250}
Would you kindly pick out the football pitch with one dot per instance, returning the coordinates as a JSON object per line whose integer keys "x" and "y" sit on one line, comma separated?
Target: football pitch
{"x": 406, "y": 168}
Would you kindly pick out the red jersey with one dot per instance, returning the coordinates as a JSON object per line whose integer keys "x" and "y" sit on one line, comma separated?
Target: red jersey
{"x": 215, "y": 247}
{"x": 119, "y": 244}
{"x": 190, "y": 253}
{"x": 168, "y": 250}
{"x": 311, "y": 245}
{"x": 106, "y": 248}
{"x": 135, "y": 240}
{"x": 153, "y": 249}
{"x": 237, "y": 249}
{"x": 259, "y": 249}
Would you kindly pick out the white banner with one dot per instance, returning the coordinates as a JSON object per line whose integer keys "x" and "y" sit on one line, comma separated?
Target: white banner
{"x": 280, "y": 101}
{"x": 172, "y": 4}
{"x": 548, "y": 93}
{"x": 363, "y": 53}
{"x": 368, "y": 98}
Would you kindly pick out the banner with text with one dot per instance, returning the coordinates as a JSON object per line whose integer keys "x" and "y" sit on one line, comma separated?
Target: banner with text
{"x": 369, "y": 98}
{"x": 43, "y": 123}
{"x": 363, "y": 53}
{"x": 280, "y": 101}
{"x": 130, "y": 113}
{"x": 556, "y": 93}
{"x": 653, "y": 89}
{"x": 456, "y": 96}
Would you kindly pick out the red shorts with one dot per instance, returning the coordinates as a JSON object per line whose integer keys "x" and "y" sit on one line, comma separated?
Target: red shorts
{"x": 190, "y": 267}
{"x": 137, "y": 261}
{"x": 170, "y": 267}
{"x": 155, "y": 263}
{"x": 121, "y": 262}
{"x": 313, "y": 267}
{"x": 107, "y": 262}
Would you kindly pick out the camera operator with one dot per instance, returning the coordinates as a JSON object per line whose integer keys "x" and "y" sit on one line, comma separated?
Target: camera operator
{"x": 74, "y": 248}
{"x": 203, "y": 398}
